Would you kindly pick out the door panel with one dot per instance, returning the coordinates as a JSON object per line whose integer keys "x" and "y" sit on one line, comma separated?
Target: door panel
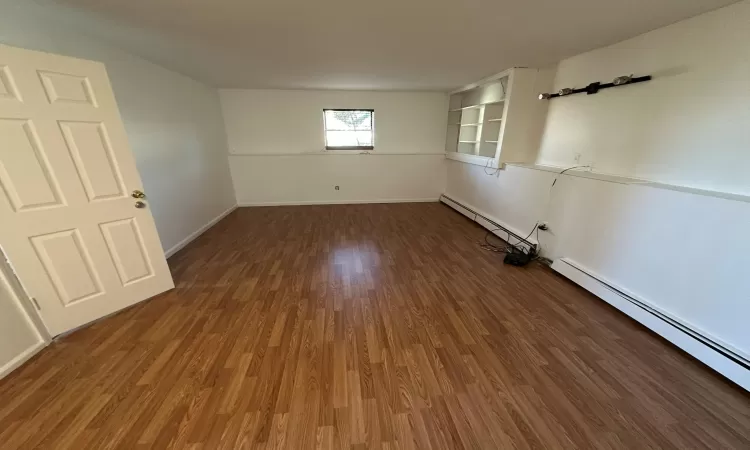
{"x": 67, "y": 88}
{"x": 68, "y": 265}
{"x": 7, "y": 87}
{"x": 127, "y": 250}
{"x": 91, "y": 151}
{"x": 70, "y": 226}
{"x": 24, "y": 171}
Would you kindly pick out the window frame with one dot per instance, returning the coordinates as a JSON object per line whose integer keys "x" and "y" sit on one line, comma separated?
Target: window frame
{"x": 349, "y": 147}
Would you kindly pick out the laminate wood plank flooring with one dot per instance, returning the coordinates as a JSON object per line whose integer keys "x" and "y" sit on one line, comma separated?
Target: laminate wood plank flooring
{"x": 365, "y": 327}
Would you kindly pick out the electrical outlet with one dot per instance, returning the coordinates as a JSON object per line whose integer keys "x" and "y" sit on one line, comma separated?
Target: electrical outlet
{"x": 336, "y": 187}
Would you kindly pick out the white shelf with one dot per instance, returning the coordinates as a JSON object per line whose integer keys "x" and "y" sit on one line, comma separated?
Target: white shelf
{"x": 476, "y": 106}
{"x": 503, "y": 125}
{"x": 465, "y": 107}
{"x": 471, "y": 159}
{"x": 332, "y": 153}
{"x": 582, "y": 173}
{"x": 634, "y": 181}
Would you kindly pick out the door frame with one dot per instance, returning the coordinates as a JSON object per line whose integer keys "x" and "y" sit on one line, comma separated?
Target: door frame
{"x": 19, "y": 295}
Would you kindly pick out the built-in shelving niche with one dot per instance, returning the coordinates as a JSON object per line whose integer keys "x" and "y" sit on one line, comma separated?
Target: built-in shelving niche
{"x": 478, "y": 115}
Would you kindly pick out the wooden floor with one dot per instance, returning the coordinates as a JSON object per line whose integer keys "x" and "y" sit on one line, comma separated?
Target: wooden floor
{"x": 365, "y": 326}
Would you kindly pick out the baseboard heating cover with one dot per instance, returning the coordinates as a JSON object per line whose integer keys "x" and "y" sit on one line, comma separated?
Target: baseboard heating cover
{"x": 490, "y": 223}
{"x": 728, "y": 361}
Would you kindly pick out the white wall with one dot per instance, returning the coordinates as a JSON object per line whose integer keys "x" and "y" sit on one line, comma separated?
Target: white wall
{"x": 277, "y": 155}
{"x": 689, "y": 126}
{"x": 174, "y": 123}
{"x": 684, "y": 253}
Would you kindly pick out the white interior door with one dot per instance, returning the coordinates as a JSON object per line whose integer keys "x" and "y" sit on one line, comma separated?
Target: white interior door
{"x": 68, "y": 222}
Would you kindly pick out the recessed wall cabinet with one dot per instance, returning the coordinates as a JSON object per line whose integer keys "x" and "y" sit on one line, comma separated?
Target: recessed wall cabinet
{"x": 498, "y": 120}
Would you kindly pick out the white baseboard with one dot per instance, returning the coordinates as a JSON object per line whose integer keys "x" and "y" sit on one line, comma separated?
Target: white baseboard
{"x": 458, "y": 204}
{"x": 180, "y": 245}
{"x": 340, "y": 202}
{"x": 16, "y": 362}
{"x": 721, "y": 357}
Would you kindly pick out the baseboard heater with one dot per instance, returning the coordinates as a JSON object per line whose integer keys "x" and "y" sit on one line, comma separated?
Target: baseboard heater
{"x": 707, "y": 349}
{"x": 721, "y": 358}
{"x": 460, "y": 207}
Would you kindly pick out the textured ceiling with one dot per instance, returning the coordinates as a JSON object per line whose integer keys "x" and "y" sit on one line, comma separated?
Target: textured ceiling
{"x": 356, "y": 44}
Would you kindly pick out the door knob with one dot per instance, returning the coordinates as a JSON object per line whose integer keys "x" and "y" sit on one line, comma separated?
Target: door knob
{"x": 138, "y": 194}
{"x": 140, "y": 205}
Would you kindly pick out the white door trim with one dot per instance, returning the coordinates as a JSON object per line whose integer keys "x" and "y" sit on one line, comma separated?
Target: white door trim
{"x": 32, "y": 318}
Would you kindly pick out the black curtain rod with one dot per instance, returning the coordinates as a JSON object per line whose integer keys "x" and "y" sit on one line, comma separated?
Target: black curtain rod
{"x": 593, "y": 88}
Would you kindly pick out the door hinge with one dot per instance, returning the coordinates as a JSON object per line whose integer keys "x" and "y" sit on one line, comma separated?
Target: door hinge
{"x": 36, "y": 303}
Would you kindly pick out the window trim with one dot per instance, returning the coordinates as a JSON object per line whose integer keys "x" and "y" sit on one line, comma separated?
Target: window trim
{"x": 349, "y": 147}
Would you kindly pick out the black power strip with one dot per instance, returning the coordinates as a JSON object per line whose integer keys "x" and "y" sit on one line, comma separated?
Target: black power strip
{"x": 518, "y": 258}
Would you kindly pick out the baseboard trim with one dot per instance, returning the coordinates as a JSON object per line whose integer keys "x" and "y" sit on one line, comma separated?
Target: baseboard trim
{"x": 340, "y": 202}
{"x": 490, "y": 223}
{"x": 19, "y": 360}
{"x": 180, "y": 245}
{"x": 719, "y": 356}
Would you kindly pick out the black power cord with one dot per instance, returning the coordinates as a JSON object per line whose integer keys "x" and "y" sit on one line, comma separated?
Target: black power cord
{"x": 558, "y": 175}
{"x": 524, "y": 255}
{"x": 508, "y": 247}
{"x": 495, "y": 248}
{"x": 549, "y": 197}
{"x": 488, "y": 166}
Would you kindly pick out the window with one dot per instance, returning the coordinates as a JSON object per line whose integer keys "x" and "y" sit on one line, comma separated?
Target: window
{"x": 349, "y": 129}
